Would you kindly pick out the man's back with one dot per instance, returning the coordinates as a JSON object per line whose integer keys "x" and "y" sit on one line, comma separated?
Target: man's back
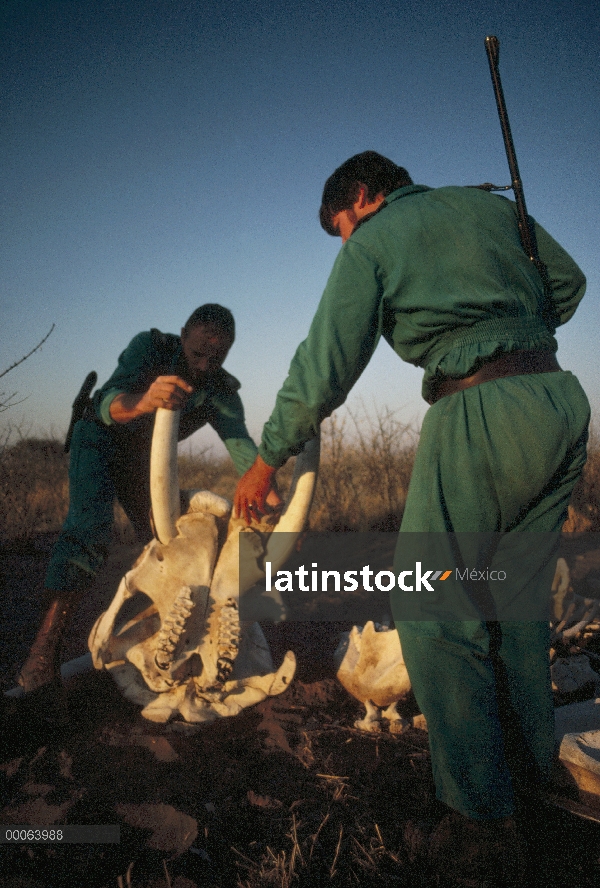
{"x": 449, "y": 257}
{"x": 436, "y": 264}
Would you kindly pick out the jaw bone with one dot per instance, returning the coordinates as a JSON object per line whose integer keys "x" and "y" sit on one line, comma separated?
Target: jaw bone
{"x": 183, "y": 648}
{"x": 371, "y": 668}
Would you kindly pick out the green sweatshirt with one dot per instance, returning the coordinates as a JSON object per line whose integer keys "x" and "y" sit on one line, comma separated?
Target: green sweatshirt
{"x": 152, "y": 354}
{"x": 442, "y": 276}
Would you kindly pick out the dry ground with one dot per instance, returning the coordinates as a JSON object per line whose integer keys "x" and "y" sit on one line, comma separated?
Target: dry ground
{"x": 287, "y": 794}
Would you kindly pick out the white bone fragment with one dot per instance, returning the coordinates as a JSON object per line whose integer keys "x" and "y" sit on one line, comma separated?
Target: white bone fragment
{"x": 372, "y": 719}
{"x": 207, "y": 501}
{"x": 371, "y": 668}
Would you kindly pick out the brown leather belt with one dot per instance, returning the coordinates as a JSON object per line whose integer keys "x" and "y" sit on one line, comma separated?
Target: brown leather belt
{"x": 512, "y": 364}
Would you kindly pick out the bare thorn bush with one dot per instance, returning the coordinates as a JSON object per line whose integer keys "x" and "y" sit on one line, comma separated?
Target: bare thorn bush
{"x": 201, "y": 471}
{"x": 366, "y": 463}
{"x": 8, "y": 400}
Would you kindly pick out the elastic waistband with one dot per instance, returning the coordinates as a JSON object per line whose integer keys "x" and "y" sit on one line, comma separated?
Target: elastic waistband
{"x": 495, "y": 330}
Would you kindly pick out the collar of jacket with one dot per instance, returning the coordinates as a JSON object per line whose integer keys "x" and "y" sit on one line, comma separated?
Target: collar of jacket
{"x": 399, "y": 192}
{"x": 405, "y": 191}
{"x": 221, "y": 383}
{"x": 224, "y": 382}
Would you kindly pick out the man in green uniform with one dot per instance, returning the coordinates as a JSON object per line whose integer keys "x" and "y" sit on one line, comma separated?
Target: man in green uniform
{"x": 442, "y": 276}
{"x": 110, "y": 456}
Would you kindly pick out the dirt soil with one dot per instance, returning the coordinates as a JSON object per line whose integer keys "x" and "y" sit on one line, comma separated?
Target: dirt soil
{"x": 289, "y": 793}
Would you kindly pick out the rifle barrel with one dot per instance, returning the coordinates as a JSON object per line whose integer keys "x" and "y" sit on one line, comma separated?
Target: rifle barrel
{"x": 526, "y": 229}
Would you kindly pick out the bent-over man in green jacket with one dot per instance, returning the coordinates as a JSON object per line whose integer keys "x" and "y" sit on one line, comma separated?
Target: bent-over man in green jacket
{"x": 441, "y": 275}
{"x": 110, "y": 457}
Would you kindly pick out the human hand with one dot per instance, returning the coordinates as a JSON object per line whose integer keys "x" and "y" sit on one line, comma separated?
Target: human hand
{"x": 168, "y": 392}
{"x": 255, "y": 490}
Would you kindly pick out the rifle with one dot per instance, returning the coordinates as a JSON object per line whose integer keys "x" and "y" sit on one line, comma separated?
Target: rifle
{"x": 79, "y": 404}
{"x": 526, "y": 228}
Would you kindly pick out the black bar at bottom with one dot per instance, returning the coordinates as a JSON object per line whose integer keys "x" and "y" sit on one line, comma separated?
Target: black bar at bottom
{"x": 61, "y": 834}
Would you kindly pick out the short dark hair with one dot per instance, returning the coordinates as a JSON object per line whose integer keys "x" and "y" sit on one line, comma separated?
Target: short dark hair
{"x": 380, "y": 175}
{"x": 211, "y": 313}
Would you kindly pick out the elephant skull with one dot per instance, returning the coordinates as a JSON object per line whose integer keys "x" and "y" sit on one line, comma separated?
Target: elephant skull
{"x": 172, "y": 637}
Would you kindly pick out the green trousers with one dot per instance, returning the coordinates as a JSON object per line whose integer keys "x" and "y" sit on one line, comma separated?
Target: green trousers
{"x": 101, "y": 469}
{"x": 498, "y": 458}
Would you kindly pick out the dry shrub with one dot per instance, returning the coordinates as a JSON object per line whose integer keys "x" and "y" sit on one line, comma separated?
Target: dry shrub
{"x": 366, "y": 463}
{"x": 201, "y": 471}
{"x": 585, "y": 501}
{"x": 33, "y": 488}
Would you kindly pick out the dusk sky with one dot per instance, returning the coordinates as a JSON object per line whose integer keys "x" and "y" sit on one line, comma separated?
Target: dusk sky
{"x": 159, "y": 154}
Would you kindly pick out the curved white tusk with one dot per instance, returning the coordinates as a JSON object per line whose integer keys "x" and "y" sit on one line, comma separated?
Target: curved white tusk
{"x": 226, "y": 580}
{"x": 293, "y": 518}
{"x": 164, "y": 480}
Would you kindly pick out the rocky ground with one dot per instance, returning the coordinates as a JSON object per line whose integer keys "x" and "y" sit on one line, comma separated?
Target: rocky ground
{"x": 287, "y": 794}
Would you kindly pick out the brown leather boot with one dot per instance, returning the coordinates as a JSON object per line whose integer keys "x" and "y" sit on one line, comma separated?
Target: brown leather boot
{"x": 42, "y": 666}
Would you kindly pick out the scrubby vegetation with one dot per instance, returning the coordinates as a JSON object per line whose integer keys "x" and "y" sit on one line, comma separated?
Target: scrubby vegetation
{"x": 366, "y": 463}
{"x": 365, "y": 470}
{"x": 34, "y": 488}
{"x": 585, "y": 501}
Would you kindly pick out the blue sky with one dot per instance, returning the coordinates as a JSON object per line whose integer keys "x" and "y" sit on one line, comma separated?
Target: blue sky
{"x": 158, "y": 154}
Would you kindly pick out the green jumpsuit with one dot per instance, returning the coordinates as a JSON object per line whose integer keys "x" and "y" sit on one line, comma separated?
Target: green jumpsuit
{"x": 111, "y": 460}
{"x": 442, "y": 276}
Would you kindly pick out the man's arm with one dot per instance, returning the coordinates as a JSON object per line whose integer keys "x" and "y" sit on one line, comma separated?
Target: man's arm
{"x": 254, "y": 491}
{"x": 170, "y": 392}
{"x": 136, "y": 387}
{"x": 566, "y": 278}
{"x": 341, "y": 340}
{"x": 229, "y": 423}
{"x": 227, "y": 418}
{"x": 340, "y": 343}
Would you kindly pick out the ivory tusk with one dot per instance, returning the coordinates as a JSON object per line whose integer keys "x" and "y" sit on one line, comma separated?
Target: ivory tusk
{"x": 164, "y": 479}
{"x": 293, "y": 518}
